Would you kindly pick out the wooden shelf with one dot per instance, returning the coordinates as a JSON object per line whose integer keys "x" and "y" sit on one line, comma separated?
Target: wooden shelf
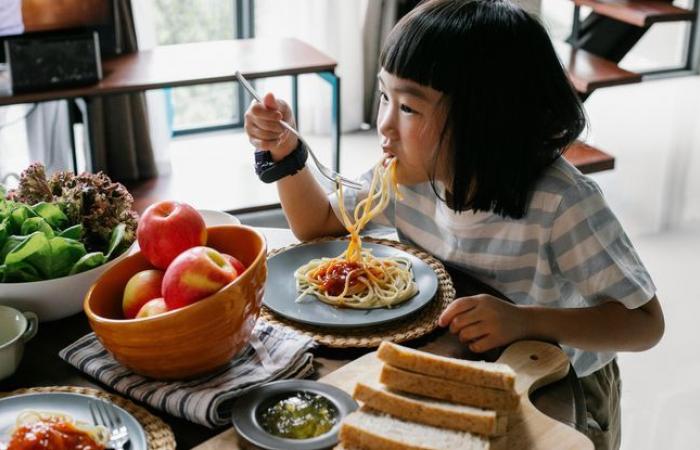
{"x": 589, "y": 72}
{"x": 641, "y": 13}
{"x": 589, "y": 159}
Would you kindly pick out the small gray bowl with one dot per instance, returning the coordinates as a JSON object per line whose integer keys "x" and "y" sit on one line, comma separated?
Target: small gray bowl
{"x": 247, "y": 409}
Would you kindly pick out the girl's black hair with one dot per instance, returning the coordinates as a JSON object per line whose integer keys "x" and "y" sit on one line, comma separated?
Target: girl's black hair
{"x": 511, "y": 110}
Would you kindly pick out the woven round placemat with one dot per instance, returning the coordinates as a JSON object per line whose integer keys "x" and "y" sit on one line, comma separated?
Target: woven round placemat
{"x": 412, "y": 327}
{"x": 158, "y": 434}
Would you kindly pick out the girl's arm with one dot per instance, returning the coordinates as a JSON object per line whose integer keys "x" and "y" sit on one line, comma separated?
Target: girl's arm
{"x": 307, "y": 208}
{"x": 485, "y": 322}
{"x": 607, "y": 327}
{"x": 304, "y": 202}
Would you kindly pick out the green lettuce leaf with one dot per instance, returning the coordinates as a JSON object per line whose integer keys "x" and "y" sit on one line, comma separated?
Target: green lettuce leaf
{"x": 34, "y": 250}
{"x": 37, "y": 224}
{"x": 64, "y": 254}
{"x": 52, "y": 258}
{"x": 87, "y": 262}
{"x": 10, "y": 244}
{"x": 74, "y": 232}
{"x": 19, "y": 214}
{"x": 21, "y": 272}
{"x": 4, "y": 231}
{"x": 6, "y": 207}
{"x": 115, "y": 239}
{"x": 52, "y": 214}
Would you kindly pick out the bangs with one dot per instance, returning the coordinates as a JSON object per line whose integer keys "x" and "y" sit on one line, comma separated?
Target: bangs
{"x": 418, "y": 47}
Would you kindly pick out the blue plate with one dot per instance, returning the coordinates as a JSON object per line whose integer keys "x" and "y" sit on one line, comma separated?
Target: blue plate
{"x": 75, "y": 405}
{"x": 281, "y": 290}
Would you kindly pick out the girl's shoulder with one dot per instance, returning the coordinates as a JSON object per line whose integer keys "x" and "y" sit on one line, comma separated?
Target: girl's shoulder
{"x": 563, "y": 178}
{"x": 565, "y": 186}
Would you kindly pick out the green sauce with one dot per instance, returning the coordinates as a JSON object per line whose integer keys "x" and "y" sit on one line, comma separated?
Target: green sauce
{"x": 302, "y": 416}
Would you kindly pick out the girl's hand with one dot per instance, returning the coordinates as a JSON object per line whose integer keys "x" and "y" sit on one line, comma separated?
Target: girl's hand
{"x": 264, "y": 130}
{"x": 484, "y": 322}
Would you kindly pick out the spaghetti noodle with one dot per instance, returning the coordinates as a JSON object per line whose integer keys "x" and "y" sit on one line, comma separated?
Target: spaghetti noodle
{"x": 356, "y": 278}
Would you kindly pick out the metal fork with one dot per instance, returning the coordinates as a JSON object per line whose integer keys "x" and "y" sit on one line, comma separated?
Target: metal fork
{"x": 325, "y": 171}
{"x": 106, "y": 415}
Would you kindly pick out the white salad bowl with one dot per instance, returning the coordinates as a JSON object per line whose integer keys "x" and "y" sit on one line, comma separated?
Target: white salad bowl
{"x": 214, "y": 218}
{"x": 56, "y": 298}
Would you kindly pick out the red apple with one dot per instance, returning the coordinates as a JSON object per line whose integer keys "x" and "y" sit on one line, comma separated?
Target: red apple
{"x": 167, "y": 229}
{"x": 142, "y": 287}
{"x": 152, "y": 307}
{"x": 196, "y": 273}
{"x": 235, "y": 262}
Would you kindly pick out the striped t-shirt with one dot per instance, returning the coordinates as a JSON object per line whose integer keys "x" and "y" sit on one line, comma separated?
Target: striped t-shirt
{"x": 569, "y": 250}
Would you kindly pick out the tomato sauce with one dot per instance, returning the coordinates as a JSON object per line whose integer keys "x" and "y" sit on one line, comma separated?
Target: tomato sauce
{"x": 334, "y": 276}
{"x": 52, "y": 435}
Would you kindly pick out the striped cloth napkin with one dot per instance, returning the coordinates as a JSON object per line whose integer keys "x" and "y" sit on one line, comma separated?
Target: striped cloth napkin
{"x": 273, "y": 353}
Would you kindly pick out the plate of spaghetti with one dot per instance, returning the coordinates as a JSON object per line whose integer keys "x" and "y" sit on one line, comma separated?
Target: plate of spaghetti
{"x": 345, "y": 284}
{"x": 283, "y": 295}
{"x": 58, "y": 421}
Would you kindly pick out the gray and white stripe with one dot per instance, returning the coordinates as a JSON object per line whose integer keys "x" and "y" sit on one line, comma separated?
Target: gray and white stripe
{"x": 568, "y": 251}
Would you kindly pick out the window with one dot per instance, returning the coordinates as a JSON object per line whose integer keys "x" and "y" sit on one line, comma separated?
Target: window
{"x": 203, "y": 107}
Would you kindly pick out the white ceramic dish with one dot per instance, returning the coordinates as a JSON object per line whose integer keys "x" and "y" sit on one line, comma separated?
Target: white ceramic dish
{"x": 16, "y": 328}
{"x": 213, "y": 218}
{"x": 53, "y": 299}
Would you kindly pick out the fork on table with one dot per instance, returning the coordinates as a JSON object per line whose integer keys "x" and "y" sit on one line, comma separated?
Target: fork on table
{"x": 106, "y": 415}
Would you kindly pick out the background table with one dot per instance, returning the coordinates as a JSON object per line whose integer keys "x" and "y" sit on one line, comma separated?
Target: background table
{"x": 203, "y": 63}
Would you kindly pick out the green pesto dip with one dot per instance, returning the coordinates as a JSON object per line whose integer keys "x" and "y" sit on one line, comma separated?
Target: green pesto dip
{"x": 301, "y": 416}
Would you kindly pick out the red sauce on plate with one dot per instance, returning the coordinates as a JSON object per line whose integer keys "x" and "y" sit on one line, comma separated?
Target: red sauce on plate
{"x": 52, "y": 435}
{"x": 334, "y": 276}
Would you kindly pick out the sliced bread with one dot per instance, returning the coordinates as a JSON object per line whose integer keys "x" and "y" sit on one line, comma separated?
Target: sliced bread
{"x": 369, "y": 430}
{"x": 479, "y": 373}
{"x": 427, "y": 411}
{"x": 448, "y": 390}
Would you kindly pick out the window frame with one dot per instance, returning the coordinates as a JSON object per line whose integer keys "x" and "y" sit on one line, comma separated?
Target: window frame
{"x": 244, "y": 28}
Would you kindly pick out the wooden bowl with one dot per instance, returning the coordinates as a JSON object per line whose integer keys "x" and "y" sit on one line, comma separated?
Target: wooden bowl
{"x": 190, "y": 341}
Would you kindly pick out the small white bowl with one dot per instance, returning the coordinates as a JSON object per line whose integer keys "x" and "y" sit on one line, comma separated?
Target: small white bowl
{"x": 57, "y": 298}
{"x": 213, "y": 218}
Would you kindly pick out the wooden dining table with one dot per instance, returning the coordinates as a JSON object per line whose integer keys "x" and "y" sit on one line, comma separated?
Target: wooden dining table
{"x": 41, "y": 365}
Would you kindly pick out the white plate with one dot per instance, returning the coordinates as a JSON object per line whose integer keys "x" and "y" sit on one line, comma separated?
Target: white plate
{"x": 213, "y": 218}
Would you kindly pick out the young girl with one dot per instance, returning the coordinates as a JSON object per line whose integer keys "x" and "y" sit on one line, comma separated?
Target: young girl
{"x": 476, "y": 110}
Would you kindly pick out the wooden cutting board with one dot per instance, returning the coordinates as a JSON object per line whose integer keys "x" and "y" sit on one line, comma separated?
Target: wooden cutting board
{"x": 535, "y": 363}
